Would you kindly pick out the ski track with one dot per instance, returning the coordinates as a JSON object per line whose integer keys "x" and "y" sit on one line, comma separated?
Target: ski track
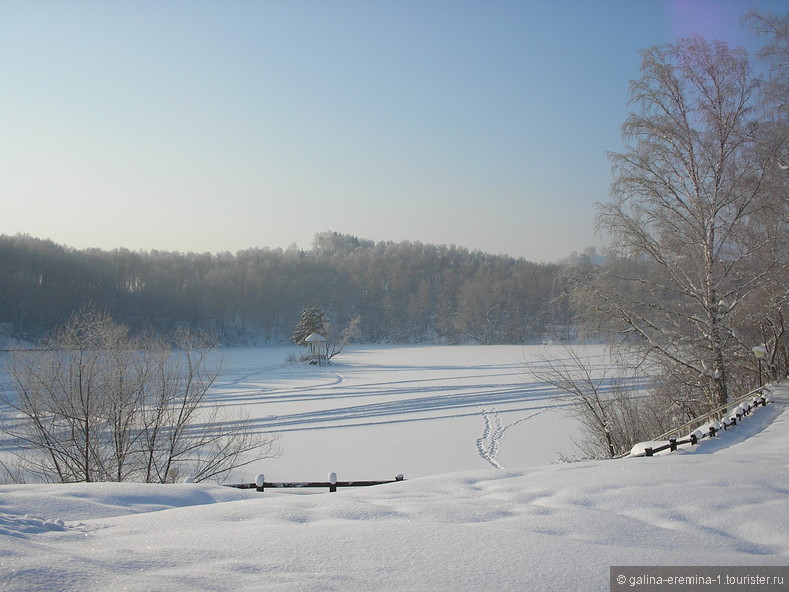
{"x": 421, "y": 409}
{"x": 349, "y": 398}
{"x": 221, "y": 395}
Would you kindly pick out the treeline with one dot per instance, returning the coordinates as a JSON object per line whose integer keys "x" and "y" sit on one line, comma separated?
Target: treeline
{"x": 402, "y": 292}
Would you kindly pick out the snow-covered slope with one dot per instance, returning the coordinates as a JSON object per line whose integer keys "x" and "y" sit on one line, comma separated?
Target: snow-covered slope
{"x": 553, "y": 527}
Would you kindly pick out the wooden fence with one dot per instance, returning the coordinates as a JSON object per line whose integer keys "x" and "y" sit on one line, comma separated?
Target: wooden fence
{"x": 718, "y": 419}
{"x": 716, "y": 414}
{"x": 331, "y": 483}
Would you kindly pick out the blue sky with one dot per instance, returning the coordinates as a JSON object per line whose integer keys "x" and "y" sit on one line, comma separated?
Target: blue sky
{"x": 219, "y": 126}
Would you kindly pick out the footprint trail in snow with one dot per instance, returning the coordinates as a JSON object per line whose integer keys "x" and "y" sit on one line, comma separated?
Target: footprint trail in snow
{"x": 490, "y": 442}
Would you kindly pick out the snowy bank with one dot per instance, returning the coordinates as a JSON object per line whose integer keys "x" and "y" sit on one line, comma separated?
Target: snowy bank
{"x": 556, "y": 527}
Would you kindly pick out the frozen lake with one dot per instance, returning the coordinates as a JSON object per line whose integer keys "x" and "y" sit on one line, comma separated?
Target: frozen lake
{"x": 377, "y": 411}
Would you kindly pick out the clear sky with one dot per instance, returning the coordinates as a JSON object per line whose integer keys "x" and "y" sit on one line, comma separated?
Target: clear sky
{"x": 219, "y": 126}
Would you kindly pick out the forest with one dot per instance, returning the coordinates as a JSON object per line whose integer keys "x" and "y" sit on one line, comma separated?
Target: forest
{"x": 405, "y": 292}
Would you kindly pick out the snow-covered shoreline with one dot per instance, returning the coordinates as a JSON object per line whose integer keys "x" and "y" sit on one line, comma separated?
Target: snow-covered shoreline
{"x": 531, "y": 527}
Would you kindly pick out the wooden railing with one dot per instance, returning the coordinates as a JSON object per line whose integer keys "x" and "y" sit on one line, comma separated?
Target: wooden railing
{"x": 722, "y": 418}
{"x": 331, "y": 483}
{"x": 715, "y": 414}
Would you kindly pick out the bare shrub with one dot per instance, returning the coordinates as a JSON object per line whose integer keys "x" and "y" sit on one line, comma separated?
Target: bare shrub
{"x": 96, "y": 404}
{"x": 608, "y": 399}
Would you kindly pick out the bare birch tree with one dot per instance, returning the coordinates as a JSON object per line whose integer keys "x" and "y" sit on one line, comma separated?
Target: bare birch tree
{"x": 764, "y": 320}
{"x": 687, "y": 201}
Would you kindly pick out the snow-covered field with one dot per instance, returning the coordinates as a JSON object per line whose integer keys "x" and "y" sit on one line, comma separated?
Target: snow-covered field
{"x": 438, "y": 415}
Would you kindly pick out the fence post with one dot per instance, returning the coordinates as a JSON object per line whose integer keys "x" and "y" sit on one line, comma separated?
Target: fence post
{"x": 648, "y": 451}
{"x": 260, "y": 481}
{"x": 672, "y": 444}
{"x": 332, "y": 479}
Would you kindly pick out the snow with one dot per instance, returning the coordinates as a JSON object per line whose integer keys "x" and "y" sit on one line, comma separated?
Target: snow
{"x": 529, "y": 526}
{"x": 377, "y": 411}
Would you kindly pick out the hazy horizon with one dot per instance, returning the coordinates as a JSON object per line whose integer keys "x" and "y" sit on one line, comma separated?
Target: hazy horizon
{"x": 294, "y": 245}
